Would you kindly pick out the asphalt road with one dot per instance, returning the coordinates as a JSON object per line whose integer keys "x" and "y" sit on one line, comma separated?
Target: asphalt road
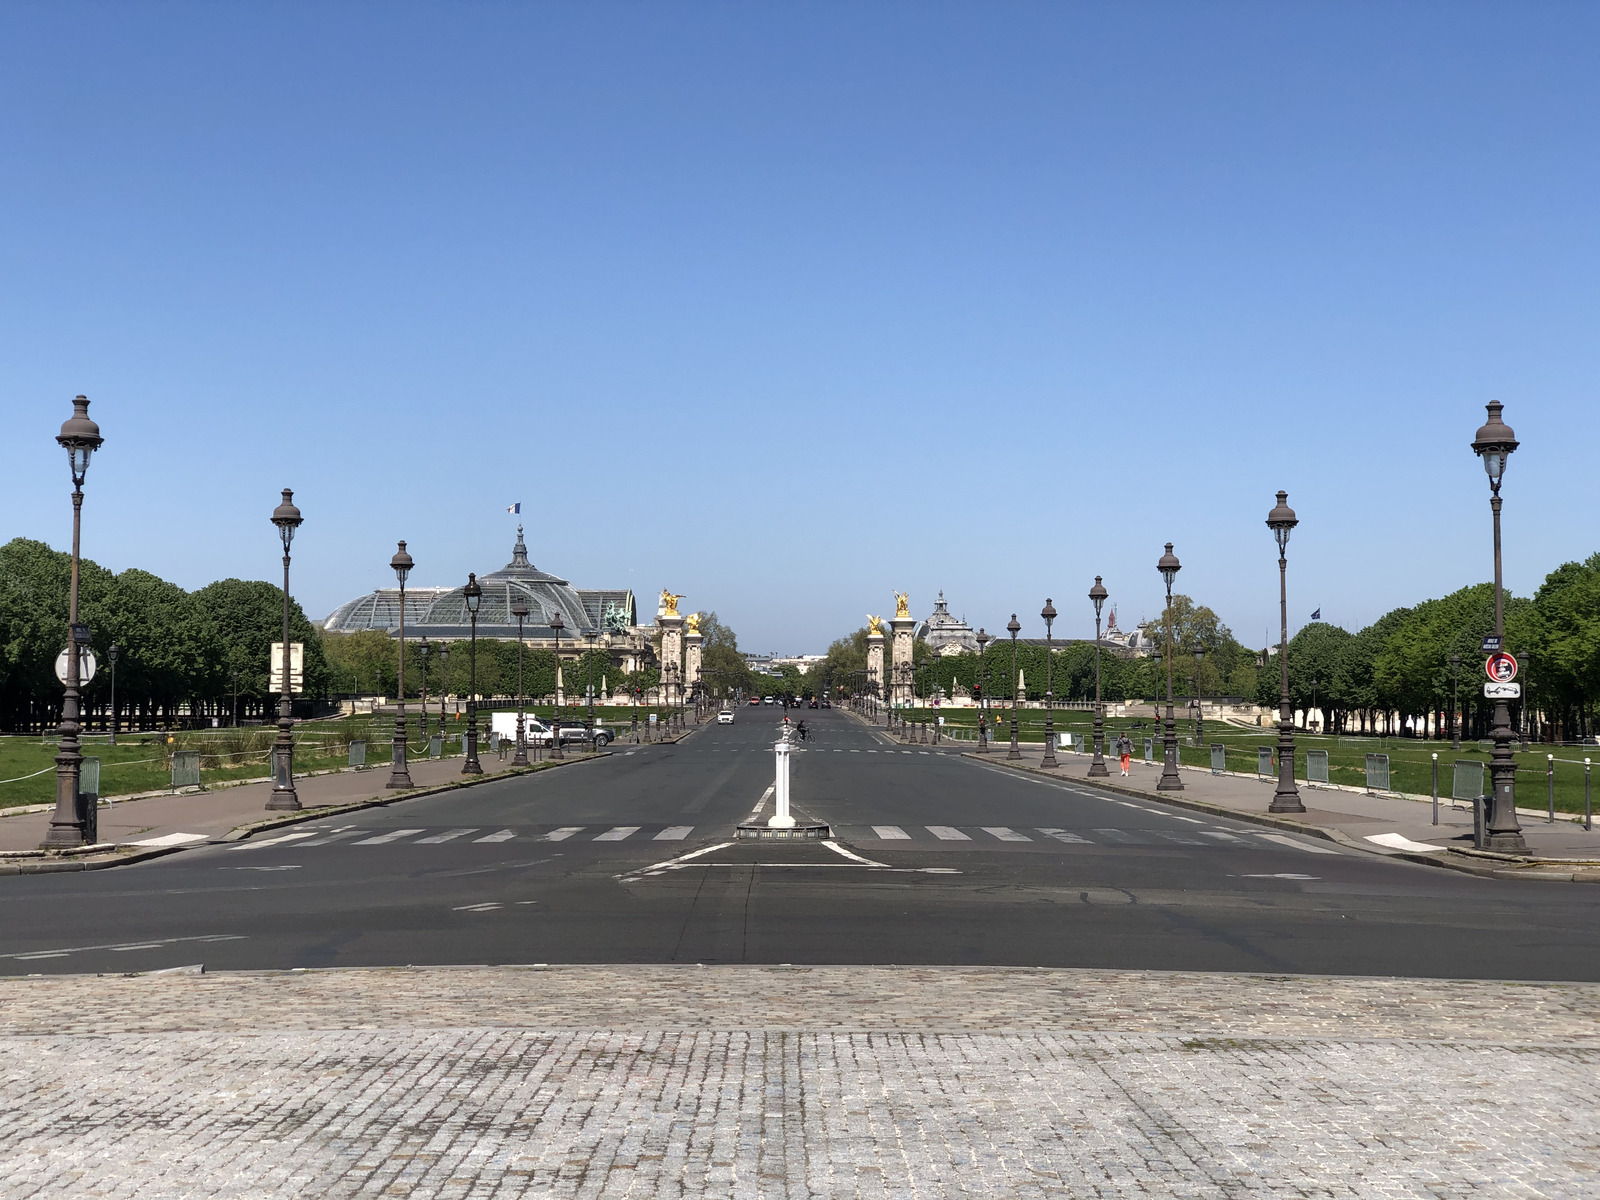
{"x": 937, "y": 860}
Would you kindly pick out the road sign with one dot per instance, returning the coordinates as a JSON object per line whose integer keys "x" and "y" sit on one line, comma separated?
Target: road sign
{"x": 297, "y": 668}
{"x": 86, "y": 666}
{"x": 1500, "y": 667}
{"x": 1491, "y": 644}
{"x": 1502, "y": 691}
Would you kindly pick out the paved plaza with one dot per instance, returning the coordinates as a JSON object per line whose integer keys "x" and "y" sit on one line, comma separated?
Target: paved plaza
{"x": 815, "y": 1082}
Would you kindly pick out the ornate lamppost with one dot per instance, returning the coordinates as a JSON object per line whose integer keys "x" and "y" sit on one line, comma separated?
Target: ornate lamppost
{"x": 444, "y": 665}
{"x": 519, "y": 610}
{"x": 1199, "y": 693}
{"x": 1494, "y": 445}
{"x": 590, "y": 636}
{"x": 1281, "y": 520}
{"x": 80, "y": 438}
{"x": 556, "y": 626}
{"x": 112, "y": 654}
{"x": 424, "y": 649}
{"x": 1013, "y": 627}
{"x": 1048, "y": 612}
{"x": 1455, "y": 702}
{"x": 978, "y": 682}
{"x": 473, "y": 594}
{"x": 399, "y": 772}
{"x": 287, "y": 518}
{"x": 1097, "y": 767}
{"x": 1169, "y": 566}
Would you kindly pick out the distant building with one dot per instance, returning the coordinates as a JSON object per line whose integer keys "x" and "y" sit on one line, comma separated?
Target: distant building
{"x": 945, "y": 634}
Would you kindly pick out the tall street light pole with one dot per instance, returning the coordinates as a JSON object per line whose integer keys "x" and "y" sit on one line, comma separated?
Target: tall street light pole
{"x": 556, "y": 626}
{"x": 287, "y": 518}
{"x": 424, "y": 650}
{"x": 399, "y": 772}
{"x": 1013, "y": 627}
{"x": 444, "y": 665}
{"x": 1455, "y": 702}
{"x": 1199, "y": 691}
{"x": 112, "y": 654}
{"x": 1097, "y": 767}
{"x": 1169, "y": 566}
{"x": 519, "y": 610}
{"x": 1281, "y": 520}
{"x": 80, "y": 438}
{"x": 983, "y": 640}
{"x": 589, "y": 660}
{"x": 1494, "y": 444}
{"x": 1048, "y": 612}
{"x": 473, "y": 593}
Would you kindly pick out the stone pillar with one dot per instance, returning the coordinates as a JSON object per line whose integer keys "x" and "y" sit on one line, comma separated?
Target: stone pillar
{"x": 875, "y": 665}
{"x": 691, "y": 659}
{"x": 900, "y": 679}
{"x": 671, "y": 626}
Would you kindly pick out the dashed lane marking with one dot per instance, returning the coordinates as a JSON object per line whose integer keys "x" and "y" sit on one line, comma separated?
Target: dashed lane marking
{"x": 1006, "y": 835}
{"x": 562, "y": 834}
{"x": 891, "y": 833}
{"x": 448, "y": 835}
{"x": 1284, "y": 839}
{"x": 947, "y": 833}
{"x": 673, "y": 833}
{"x": 505, "y": 835}
{"x": 618, "y": 833}
{"x": 383, "y": 839}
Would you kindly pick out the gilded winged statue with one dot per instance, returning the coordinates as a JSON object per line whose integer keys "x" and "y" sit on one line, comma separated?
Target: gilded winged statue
{"x": 669, "y": 603}
{"x": 902, "y": 604}
{"x": 874, "y": 626}
{"x": 693, "y": 622}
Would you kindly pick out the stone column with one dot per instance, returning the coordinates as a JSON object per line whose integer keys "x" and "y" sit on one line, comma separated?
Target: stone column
{"x": 671, "y": 626}
{"x": 901, "y": 680}
{"x": 691, "y": 659}
{"x": 875, "y": 666}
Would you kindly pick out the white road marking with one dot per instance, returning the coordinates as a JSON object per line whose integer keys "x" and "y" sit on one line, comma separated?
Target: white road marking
{"x": 204, "y": 937}
{"x": 617, "y": 833}
{"x": 1212, "y": 833}
{"x": 559, "y": 835}
{"x": 278, "y": 867}
{"x": 490, "y": 907}
{"x": 1061, "y": 835}
{"x": 334, "y": 837}
{"x": 765, "y": 796}
{"x": 288, "y": 837}
{"x": 673, "y": 833}
{"x": 183, "y": 839}
{"x": 1285, "y": 840}
{"x": 673, "y": 864}
{"x": 850, "y": 854}
{"x": 891, "y": 833}
{"x": 1006, "y": 835}
{"x": 947, "y": 833}
{"x": 1396, "y": 842}
{"x": 505, "y": 835}
{"x": 448, "y": 835}
{"x": 384, "y": 839}
{"x": 41, "y": 954}
{"x": 1284, "y": 875}
{"x": 137, "y": 946}
{"x": 1122, "y": 837}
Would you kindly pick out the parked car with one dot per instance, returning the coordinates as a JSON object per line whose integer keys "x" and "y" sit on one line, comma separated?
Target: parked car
{"x": 577, "y": 731}
{"x": 725, "y": 717}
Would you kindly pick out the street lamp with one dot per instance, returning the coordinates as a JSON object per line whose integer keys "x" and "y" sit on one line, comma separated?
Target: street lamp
{"x": 444, "y": 664}
{"x": 1169, "y": 566}
{"x": 1199, "y": 691}
{"x": 1494, "y": 444}
{"x": 1455, "y": 702}
{"x": 113, "y": 653}
{"x": 983, "y": 640}
{"x": 287, "y": 518}
{"x": 399, "y": 773}
{"x": 80, "y": 437}
{"x": 424, "y": 649}
{"x": 1097, "y": 767}
{"x": 473, "y": 595}
{"x": 556, "y": 626}
{"x": 1014, "y": 628}
{"x": 1048, "y": 612}
{"x": 519, "y": 610}
{"x": 1281, "y": 520}
{"x": 589, "y": 637}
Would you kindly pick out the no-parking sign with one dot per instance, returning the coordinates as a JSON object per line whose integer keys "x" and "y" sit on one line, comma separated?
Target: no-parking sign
{"x": 1500, "y": 668}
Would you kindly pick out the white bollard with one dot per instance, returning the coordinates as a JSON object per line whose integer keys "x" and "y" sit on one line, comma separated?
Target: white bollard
{"x": 781, "y": 819}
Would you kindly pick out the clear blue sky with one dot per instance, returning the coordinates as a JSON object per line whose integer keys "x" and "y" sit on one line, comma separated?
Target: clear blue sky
{"x": 786, "y": 305}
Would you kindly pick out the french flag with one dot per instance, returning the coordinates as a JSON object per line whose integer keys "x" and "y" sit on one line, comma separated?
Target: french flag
{"x": 515, "y": 508}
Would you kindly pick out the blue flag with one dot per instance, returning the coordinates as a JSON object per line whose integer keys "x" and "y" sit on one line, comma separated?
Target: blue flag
{"x": 1317, "y": 616}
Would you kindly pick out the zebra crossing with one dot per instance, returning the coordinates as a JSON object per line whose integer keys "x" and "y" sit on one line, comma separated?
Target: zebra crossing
{"x": 989, "y": 834}
{"x": 357, "y": 836}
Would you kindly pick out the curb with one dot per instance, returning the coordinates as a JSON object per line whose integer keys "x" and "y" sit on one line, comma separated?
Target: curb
{"x": 43, "y": 865}
{"x": 1525, "y": 868}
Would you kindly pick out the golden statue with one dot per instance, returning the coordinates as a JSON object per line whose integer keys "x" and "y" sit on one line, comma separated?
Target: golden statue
{"x": 669, "y": 603}
{"x": 874, "y": 626}
{"x": 693, "y": 621}
{"x": 902, "y": 604}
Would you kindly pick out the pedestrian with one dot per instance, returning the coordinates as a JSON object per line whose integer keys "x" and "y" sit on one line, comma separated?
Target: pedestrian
{"x": 1125, "y": 751}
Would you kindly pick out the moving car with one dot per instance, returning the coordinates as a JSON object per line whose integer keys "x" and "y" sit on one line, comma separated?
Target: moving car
{"x": 577, "y": 731}
{"x": 755, "y": 701}
{"x": 725, "y": 717}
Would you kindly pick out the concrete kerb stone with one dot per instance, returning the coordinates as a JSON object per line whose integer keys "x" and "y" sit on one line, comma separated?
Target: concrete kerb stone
{"x": 41, "y": 862}
{"x": 1527, "y": 868}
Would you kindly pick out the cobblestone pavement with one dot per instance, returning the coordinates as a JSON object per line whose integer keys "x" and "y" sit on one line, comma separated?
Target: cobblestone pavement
{"x": 815, "y": 1082}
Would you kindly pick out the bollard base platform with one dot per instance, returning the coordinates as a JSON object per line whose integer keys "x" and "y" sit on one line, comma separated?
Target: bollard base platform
{"x": 763, "y": 833}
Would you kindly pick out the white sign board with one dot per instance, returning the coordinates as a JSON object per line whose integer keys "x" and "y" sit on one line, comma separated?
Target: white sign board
{"x": 1502, "y": 691}
{"x": 297, "y": 667}
{"x": 86, "y": 666}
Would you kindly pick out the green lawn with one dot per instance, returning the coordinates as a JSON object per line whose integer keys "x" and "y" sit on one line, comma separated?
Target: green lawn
{"x": 1410, "y": 759}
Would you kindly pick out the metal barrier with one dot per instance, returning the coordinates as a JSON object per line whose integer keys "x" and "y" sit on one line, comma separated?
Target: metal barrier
{"x": 89, "y": 798}
{"x": 1377, "y": 772}
{"x": 1317, "y": 767}
{"x": 1264, "y": 767}
{"x": 1219, "y": 758}
{"x": 1149, "y": 750}
{"x": 185, "y": 768}
{"x": 1466, "y": 780}
{"x": 358, "y": 752}
{"x": 436, "y": 746}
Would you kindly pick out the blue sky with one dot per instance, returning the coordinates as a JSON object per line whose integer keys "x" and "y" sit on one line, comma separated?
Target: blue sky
{"x": 784, "y": 306}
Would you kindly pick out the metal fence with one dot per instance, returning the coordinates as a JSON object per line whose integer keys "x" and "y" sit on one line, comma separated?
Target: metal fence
{"x": 1264, "y": 767}
{"x": 185, "y": 768}
{"x": 1149, "y": 750}
{"x": 1377, "y": 772}
{"x": 435, "y": 746}
{"x": 1219, "y": 758}
{"x": 358, "y": 752}
{"x": 1317, "y": 766}
{"x": 1467, "y": 780}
